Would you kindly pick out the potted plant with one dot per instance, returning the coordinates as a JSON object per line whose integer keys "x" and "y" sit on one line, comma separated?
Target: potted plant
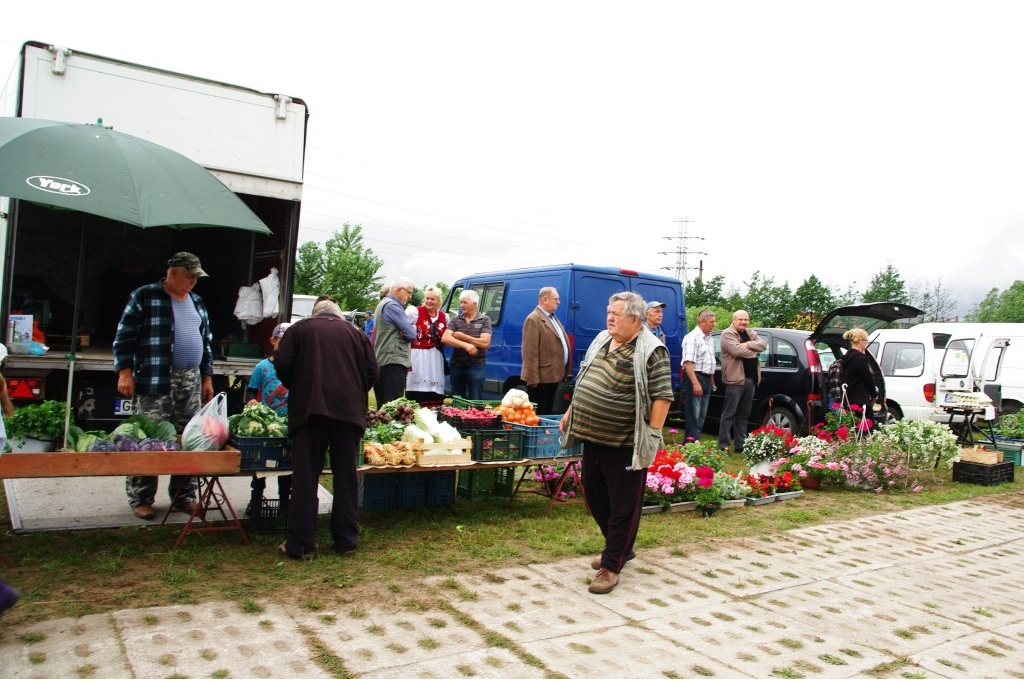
{"x": 708, "y": 496}
{"x": 42, "y": 422}
{"x": 668, "y": 480}
{"x": 767, "y": 444}
{"x": 734, "y": 489}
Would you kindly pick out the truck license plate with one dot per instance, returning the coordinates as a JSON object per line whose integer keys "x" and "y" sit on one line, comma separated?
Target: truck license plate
{"x": 123, "y": 407}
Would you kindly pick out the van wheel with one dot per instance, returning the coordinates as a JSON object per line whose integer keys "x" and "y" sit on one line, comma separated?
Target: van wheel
{"x": 893, "y": 414}
{"x": 1010, "y": 407}
{"x": 781, "y": 417}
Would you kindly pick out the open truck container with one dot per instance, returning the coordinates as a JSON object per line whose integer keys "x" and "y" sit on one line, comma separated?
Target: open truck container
{"x": 253, "y": 142}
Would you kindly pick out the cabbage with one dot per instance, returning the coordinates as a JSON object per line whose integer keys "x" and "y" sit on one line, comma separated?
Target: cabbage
{"x": 157, "y": 445}
{"x": 447, "y": 433}
{"x": 126, "y": 443}
{"x": 164, "y": 430}
{"x": 101, "y": 445}
{"x": 414, "y": 433}
{"x": 131, "y": 429}
{"x": 426, "y": 420}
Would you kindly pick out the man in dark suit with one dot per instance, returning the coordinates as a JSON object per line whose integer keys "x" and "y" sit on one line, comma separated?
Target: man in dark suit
{"x": 547, "y": 358}
{"x": 328, "y": 366}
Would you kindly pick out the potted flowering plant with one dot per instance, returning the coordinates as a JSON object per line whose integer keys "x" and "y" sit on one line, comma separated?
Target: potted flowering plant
{"x": 842, "y": 424}
{"x": 734, "y": 488}
{"x": 707, "y": 495}
{"x": 696, "y": 453}
{"x": 548, "y": 475}
{"x": 668, "y": 479}
{"x": 811, "y": 465}
{"x": 767, "y": 443}
{"x": 927, "y": 443}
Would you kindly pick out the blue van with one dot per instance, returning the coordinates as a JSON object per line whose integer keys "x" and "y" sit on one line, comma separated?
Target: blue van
{"x": 507, "y": 297}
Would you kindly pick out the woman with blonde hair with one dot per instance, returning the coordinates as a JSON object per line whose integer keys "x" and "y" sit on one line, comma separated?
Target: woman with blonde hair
{"x": 861, "y": 389}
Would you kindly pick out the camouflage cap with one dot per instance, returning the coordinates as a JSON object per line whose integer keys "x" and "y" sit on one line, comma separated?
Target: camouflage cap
{"x": 189, "y": 262}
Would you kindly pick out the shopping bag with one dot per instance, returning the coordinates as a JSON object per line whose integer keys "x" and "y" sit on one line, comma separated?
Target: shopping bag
{"x": 208, "y": 429}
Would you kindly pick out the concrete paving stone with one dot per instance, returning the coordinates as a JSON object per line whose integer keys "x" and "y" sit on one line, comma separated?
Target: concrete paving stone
{"x": 524, "y": 604}
{"x": 978, "y": 655}
{"x": 643, "y": 591}
{"x": 631, "y": 651}
{"x": 217, "y": 639}
{"x": 63, "y": 648}
{"x": 383, "y": 638}
{"x": 863, "y": 617}
{"x": 761, "y": 646}
{"x": 492, "y": 663}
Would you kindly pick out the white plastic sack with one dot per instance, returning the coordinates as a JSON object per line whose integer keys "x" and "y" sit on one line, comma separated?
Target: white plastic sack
{"x": 271, "y": 287}
{"x": 249, "y": 306}
{"x": 208, "y": 429}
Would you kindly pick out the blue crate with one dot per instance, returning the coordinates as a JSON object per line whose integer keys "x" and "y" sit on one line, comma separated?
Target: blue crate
{"x": 380, "y": 492}
{"x": 412, "y": 490}
{"x": 440, "y": 488}
{"x": 263, "y": 453}
{"x": 541, "y": 440}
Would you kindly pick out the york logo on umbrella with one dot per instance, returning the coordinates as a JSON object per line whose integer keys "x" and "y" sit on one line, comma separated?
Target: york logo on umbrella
{"x": 60, "y": 186}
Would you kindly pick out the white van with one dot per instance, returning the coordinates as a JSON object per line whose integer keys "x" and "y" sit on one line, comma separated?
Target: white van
{"x": 924, "y": 362}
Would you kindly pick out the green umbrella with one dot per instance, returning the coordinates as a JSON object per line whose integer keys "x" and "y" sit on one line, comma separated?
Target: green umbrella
{"x": 96, "y": 170}
{"x": 99, "y": 171}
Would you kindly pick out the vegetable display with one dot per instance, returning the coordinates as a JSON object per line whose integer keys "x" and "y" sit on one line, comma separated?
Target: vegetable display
{"x": 138, "y": 433}
{"x": 258, "y": 420}
{"x": 516, "y": 407}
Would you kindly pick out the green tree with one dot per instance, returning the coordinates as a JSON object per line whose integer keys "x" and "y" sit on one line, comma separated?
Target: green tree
{"x": 1002, "y": 307}
{"x": 886, "y": 286}
{"x": 769, "y": 304}
{"x": 704, "y": 294}
{"x": 343, "y": 268}
{"x": 813, "y": 298}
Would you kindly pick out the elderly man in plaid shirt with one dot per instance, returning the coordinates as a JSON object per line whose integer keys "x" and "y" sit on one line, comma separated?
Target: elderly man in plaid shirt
{"x": 698, "y": 373}
{"x": 163, "y": 358}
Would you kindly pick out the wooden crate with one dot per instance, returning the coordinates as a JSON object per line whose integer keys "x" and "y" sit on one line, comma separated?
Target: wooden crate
{"x": 462, "y": 453}
{"x": 979, "y": 454}
{"x": 69, "y": 464}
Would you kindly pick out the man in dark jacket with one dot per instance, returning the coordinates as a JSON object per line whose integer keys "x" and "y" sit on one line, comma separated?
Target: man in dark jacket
{"x": 547, "y": 358}
{"x": 328, "y": 366}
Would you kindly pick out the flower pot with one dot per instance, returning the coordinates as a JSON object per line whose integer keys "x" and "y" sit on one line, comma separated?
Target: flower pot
{"x": 732, "y": 504}
{"x": 31, "y": 445}
{"x": 788, "y": 495}
{"x": 758, "y": 501}
{"x": 810, "y": 483}
{"x": 651, "y": 509}
{"x": 682, "y": 506}
{"x": 708, "y": 510}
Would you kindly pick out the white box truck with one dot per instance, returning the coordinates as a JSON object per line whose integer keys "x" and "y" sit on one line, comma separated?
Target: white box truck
{"x": 252, "y": 141}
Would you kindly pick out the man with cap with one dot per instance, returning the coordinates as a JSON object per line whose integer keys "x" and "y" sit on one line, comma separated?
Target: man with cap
{"x": 655, "y": 313}
{"x": 265, "y": 387}
{"x": 163, "y": 359}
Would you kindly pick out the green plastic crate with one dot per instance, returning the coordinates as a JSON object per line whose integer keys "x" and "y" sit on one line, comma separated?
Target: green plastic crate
{"x": 497, "y": 444}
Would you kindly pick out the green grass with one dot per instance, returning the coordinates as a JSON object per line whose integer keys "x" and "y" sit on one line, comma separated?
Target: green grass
{"x": 82, "y": 572}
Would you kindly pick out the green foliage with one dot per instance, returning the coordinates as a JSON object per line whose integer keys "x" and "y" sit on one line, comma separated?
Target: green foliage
{"x": 39, "y": 420}
{"x": 343, "y": 268}
{"x": 700, "y": 294}
{"x": 1003, "y": 307}
{"x": 814, "y": 298}
{"x": 769, "y": 304}
{"x": 886, "y": 286}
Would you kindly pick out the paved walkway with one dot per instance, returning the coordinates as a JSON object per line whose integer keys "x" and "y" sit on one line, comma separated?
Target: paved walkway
{"x": 931, "y": 592}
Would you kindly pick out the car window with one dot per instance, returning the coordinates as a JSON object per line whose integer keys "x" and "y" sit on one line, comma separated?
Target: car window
{"x": 718, "y": 348}
{"x": 492, "y": 297}
{"x": 786, "y": 356}
{"x": 904, "y": 359}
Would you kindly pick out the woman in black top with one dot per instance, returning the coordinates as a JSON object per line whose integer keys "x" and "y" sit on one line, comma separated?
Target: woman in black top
{"x": 861, "y": 391}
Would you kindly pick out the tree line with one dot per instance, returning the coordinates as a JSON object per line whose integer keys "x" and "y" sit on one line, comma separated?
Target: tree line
{"x": 346, "y": 269}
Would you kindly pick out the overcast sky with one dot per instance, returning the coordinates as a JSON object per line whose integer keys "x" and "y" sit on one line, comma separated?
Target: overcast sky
{"x": 798, "y": 138}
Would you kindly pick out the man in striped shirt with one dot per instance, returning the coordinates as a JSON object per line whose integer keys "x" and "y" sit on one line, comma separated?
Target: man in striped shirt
{"x": 620, "y": 402}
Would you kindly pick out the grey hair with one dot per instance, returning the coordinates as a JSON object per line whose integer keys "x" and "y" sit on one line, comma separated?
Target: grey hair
{"x": 470, "y": 295}
{"x": 705, "y": 314}
{"x": 401, "y": 282}
{"x": 326, "y": 306}
{"x": 546, "y": 291}
{"x": 635, "y": 305}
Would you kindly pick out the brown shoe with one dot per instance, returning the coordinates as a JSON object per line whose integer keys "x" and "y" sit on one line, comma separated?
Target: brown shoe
{"x": 144, "y": 511}
{"x": 604, "y": 582}
{"x": 595, "y": 563}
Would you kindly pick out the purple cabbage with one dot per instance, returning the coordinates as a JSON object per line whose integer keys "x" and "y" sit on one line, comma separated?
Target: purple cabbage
{"x": 126, "y": 443}
{"x": 100, "y": 445}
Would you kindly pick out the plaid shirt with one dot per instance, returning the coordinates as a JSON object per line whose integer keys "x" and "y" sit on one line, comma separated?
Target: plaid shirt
{"x": 144, "y": 341}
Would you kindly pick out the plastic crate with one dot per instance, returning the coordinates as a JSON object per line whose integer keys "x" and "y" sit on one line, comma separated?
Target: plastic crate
{"x": 499, "y": 444}
{"x": 541, "y": 440}
{"x": 380, "y": 492}
{"x": 412, "y": 490}
{"x": 440, "y": 488}
{"x": 983, "y": 474}
{"x": 262, "y": 453}
{"x": 476, "y": 484}
{"x": 463, "y": 403}
{"x": 464, "y": 425}
{"x": 267, "y": 516}
{"x": 505, "y": 481}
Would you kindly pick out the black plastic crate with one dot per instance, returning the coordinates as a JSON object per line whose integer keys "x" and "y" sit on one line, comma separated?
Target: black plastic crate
{"x": 498, "y": 445}
{"x": 380, "y": 492}
{"x": 983, "y": 474}
{"x": 267, "y": 516}
{"x": 263, "y": 453}
{"x": 440, "y": 488}
{"x": 412, "y": 490}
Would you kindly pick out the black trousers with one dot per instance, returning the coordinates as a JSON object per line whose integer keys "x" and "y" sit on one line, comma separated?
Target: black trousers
{"x": 312, "y": 440}
{"x": 544, "y": 395}
{"x": 615, "y": 496}
{"x": 390, "y": 384}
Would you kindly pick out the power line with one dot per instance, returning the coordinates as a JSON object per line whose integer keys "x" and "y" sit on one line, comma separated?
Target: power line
{"x": 681, "y": 250}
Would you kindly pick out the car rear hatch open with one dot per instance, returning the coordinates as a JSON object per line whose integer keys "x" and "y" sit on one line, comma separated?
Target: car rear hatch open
{"x": 870, "y": 316}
